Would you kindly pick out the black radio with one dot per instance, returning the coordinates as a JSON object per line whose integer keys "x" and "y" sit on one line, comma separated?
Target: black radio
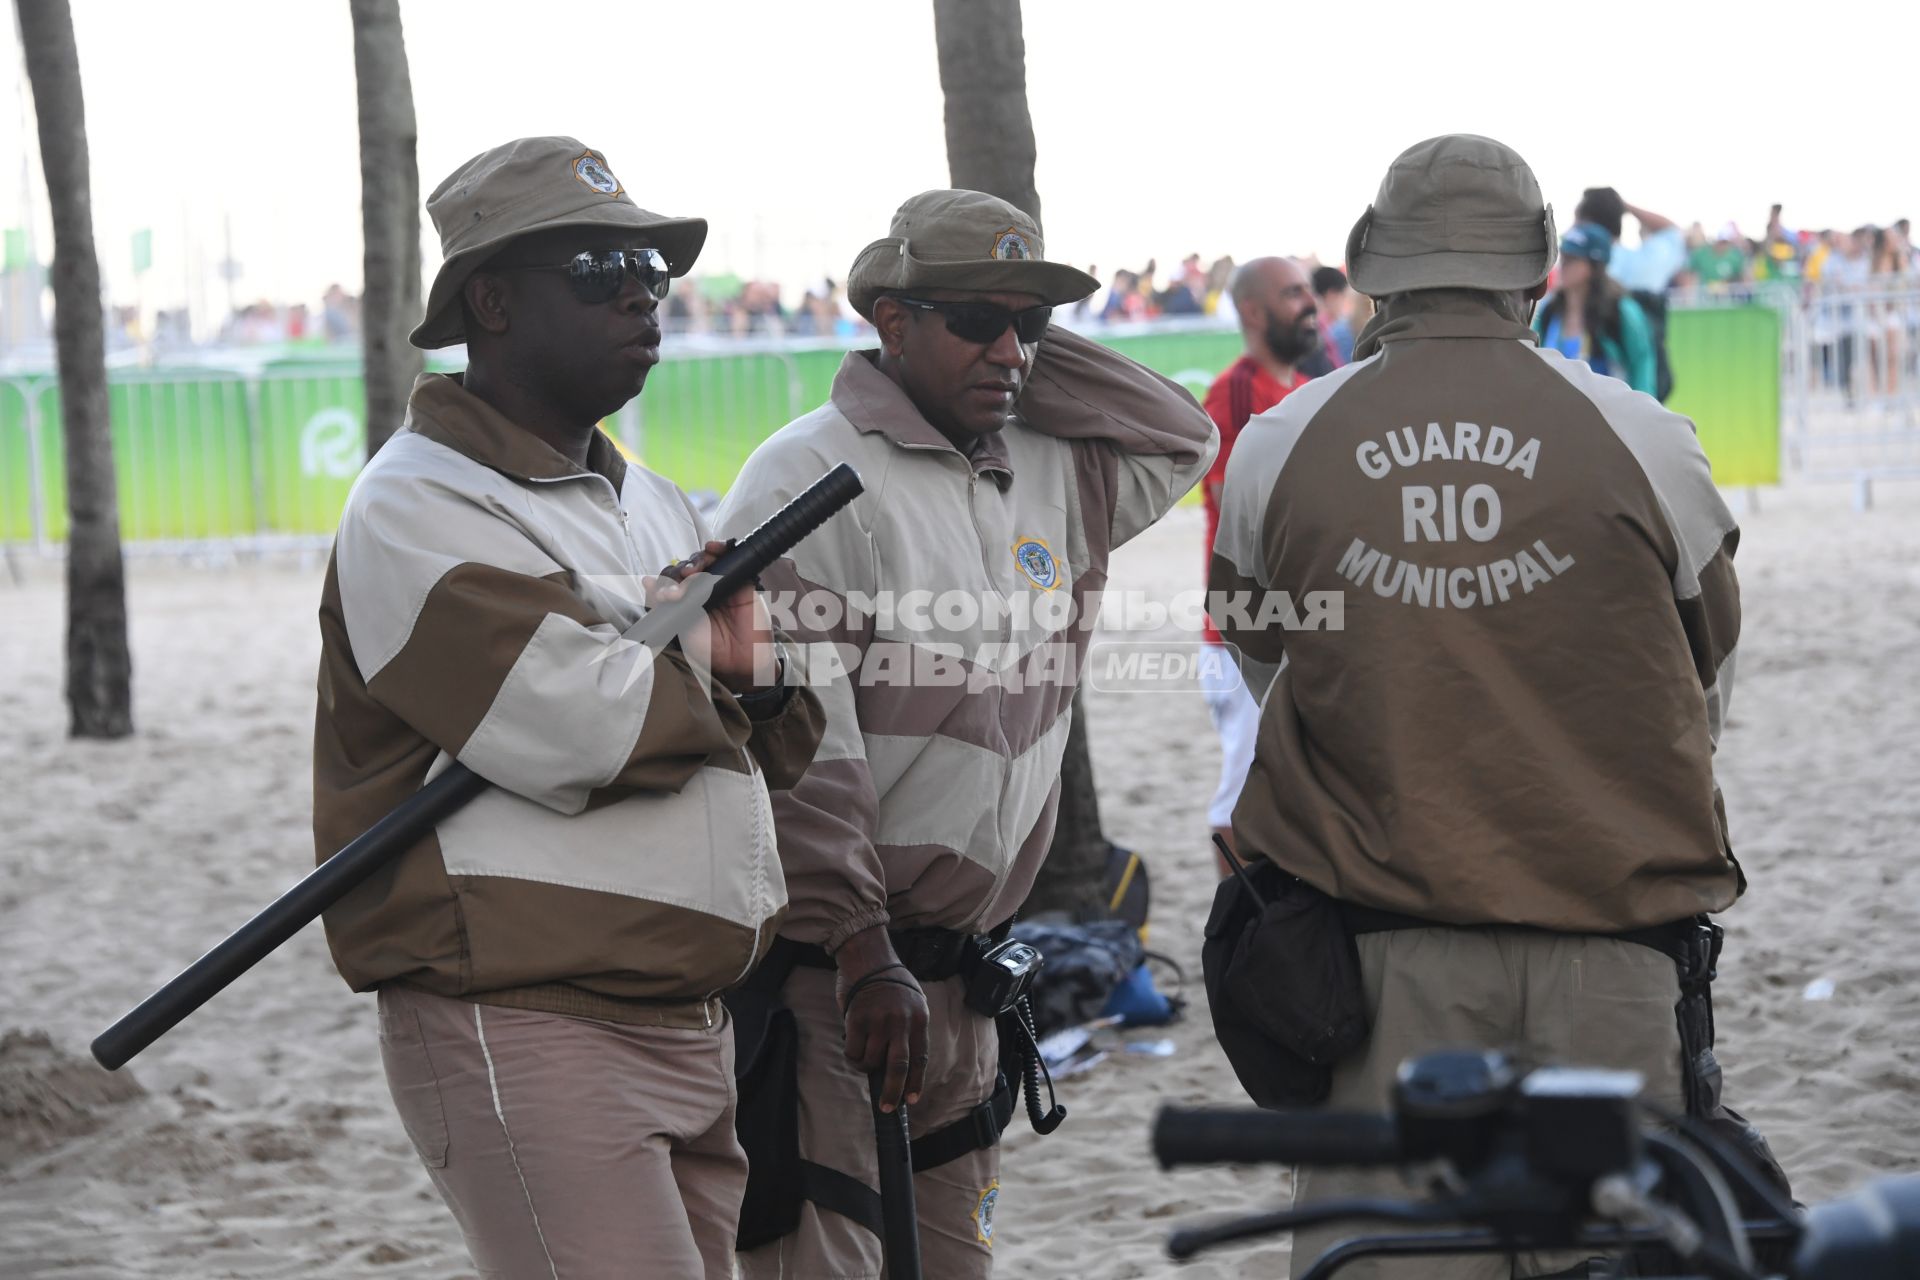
{"x": 1003, "y": 974}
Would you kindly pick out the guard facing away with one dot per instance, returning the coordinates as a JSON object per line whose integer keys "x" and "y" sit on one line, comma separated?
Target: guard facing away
{"x": 549, "y": 961}
{"x": 1501, "y": 768}
{"x": 942, "y": 619}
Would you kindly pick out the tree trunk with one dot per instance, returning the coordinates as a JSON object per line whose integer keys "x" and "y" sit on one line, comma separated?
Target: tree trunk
{"x": 389, "y": 215}
{"x": 983, "y": 73}
{"x": 99, "y": 668}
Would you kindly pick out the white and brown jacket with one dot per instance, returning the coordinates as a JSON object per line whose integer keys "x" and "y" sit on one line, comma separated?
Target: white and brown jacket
{"x": 931, "y": 801}
{"x": 1517, "y": 722}
{"x": 623, "y": 863}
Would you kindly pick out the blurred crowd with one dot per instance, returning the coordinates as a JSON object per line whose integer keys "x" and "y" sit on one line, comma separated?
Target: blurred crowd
{"x": 1687, "y": 263}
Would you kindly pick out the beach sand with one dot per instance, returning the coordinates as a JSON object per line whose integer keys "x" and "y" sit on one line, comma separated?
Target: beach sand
{"x": 257, "y": 1139}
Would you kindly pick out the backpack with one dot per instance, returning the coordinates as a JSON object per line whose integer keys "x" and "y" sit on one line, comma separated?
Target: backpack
{"x": 1654, "y": 305}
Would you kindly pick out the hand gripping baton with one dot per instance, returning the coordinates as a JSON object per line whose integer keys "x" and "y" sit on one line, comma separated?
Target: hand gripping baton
{"x": 420, "y": 812}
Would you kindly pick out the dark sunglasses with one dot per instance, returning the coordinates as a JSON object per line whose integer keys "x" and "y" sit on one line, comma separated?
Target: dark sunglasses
{"x": 984, "y": 322}
{"x": 597, "y": 275}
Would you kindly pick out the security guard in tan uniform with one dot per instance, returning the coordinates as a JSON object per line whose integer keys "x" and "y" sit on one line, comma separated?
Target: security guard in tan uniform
{"x": 1003, "y": 461}
{"x": 1505, "y": 757}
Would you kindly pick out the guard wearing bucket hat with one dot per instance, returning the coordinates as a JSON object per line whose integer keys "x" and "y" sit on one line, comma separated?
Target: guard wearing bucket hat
{"x": 1005, "y": 459}
{"x": 548, "y": 961}
{"x": 1502, "y": 765}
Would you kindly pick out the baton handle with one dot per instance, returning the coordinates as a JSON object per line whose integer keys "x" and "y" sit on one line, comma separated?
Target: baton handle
{"x": 901, "y": 1241}
{"x": 419, "y": 813}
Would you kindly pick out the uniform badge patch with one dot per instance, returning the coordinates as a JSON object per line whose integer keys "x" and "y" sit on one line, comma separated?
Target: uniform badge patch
{"x": 1011, "y": 246}
{"x": 595, "y": 176}
{"x": 983, "y": 1214}
{"x": 1036, "y": 560}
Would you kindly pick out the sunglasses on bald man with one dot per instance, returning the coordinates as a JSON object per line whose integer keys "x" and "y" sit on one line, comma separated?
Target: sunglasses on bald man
{"x": 597, "y": 275}
{"x": 984, "y": 322}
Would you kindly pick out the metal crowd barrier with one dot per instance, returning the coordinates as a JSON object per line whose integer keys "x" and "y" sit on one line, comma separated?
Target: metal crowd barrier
{"x": 1853, "y": 399}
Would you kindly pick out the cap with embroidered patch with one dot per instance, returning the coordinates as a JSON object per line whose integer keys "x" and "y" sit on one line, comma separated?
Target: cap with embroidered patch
{"x": 962, "y": 240}
{"x": 529, "y": 185}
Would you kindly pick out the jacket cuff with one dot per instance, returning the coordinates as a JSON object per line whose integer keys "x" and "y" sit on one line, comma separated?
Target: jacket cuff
{"x": 847, "y": 928}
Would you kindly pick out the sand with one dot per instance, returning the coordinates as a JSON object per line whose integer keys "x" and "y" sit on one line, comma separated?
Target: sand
{"x": 257, "y": 1139}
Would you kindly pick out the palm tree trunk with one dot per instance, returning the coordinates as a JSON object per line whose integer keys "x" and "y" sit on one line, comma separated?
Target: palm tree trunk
{"x": 99, "y": 668}
{"x": 389, "y": 215}
{"x": 983, "y": 73}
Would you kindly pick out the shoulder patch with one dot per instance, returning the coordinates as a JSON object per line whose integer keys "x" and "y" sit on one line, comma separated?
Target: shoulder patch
{"x": 983, "y": 1213}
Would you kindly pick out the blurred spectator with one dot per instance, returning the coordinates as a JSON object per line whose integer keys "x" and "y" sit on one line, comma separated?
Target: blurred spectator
{"x": 1124, "y": 302}
{"x": 1336, "y": 312}
{"x": 1661, "y": 253}
{"x": 1591, "y": 317}
{"x": 1724, "y": 261}
{"x": 339, "y": 314}
{"x": 1219, "y": 277}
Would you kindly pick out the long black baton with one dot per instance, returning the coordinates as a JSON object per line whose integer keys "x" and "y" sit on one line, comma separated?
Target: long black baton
{"x": 400, "y": 830}
{"x": 901, "y": 1241}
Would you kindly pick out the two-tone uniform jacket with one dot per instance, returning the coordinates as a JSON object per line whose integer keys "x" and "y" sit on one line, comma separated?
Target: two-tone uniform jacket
{"x": 623, "y": 862}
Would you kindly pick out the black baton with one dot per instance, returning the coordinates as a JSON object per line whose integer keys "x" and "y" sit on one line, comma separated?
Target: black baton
{"x": 400, "y": 830}
{"x": 898, "y": 1213}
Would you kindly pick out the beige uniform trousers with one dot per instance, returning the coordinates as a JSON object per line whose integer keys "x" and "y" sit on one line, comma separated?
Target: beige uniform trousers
{"x": 571, "y": 1147}
{"x": 1560, "y": 999}
{"x": 955, "y": 1201}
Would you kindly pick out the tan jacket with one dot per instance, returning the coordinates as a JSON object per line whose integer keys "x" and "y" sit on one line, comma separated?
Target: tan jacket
{"x": 932, "y": 798}
{"x": 624, "y": 858}
{"x": 1517, "y": 722}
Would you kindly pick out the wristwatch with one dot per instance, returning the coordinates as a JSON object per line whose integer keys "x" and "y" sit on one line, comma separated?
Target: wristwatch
{"x": 764, "y": 704}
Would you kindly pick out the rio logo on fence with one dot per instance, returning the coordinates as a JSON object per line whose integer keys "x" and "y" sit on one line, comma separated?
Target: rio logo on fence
{"x": 332, "y": 445}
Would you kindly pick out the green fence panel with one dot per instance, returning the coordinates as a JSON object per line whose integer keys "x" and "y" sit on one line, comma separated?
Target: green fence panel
{"x": 1726, "y": 377}
{"x": 701, "y": 416}
{"x": 16, "y": 462}
{"x": 309, "y": 428}
{"x": 212, "y": 455}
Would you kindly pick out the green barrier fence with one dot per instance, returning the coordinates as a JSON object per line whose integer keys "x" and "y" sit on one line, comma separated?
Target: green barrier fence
{"x": 217, "y": 457}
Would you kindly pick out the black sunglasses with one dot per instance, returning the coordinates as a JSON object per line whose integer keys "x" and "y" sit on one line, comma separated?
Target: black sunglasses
{"x": 984, "y": 322}
{"x": 598, "y": 274}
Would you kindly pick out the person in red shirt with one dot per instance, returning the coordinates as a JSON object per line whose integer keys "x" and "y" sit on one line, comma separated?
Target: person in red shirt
{"x": 1279, "y": 324}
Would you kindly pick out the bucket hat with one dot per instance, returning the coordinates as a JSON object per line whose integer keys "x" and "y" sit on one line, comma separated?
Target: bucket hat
{"x": 962, "y": 240}
{"x": 1455, "y": 212}
{"x": 524, "y": 186}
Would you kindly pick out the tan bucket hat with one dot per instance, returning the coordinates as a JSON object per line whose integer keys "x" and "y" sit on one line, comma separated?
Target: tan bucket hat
{"x": 1454, "y": 212}
{"x": 961, "y": 240}
{"x": 528, "y": 185}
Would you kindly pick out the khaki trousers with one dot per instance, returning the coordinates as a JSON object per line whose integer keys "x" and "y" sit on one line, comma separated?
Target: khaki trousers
{"x": 570, "y": 1147}
{"x": 1560, "y": 999}
{"x": 955, "y": 1201}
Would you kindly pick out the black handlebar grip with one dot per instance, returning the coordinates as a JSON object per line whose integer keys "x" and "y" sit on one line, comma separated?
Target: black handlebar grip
{"x": 747, "y": 558}
{"x": 1221, "y": 1135}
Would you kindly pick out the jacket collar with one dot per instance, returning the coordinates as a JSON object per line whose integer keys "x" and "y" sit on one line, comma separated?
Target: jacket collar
{"x": 1436, "y": 313}
{"x": 875, "y": 404}
{"x": 445, "y": 412}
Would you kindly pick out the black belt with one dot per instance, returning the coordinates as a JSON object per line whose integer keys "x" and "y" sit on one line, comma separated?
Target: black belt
{"x": 930, "y": 954}
{"x": 1692, "y": 943}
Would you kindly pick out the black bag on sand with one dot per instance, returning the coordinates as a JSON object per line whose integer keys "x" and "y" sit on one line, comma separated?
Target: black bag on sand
{"x": 1283, "y": 984}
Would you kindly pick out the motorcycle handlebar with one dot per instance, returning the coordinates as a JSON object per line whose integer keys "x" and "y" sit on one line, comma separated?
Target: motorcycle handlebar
{"x": 1220, "y": 1135}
